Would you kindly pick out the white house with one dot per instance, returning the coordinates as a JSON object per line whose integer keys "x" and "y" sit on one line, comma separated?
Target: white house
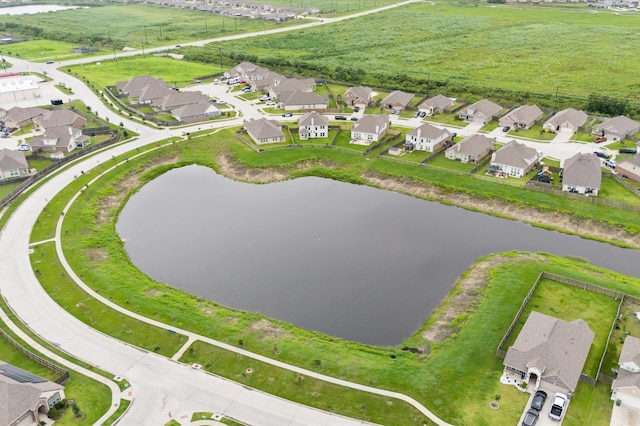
{"x": 313, "y": 125}
{"x": 370, "y": 128}
{"x": 426, "y": 138}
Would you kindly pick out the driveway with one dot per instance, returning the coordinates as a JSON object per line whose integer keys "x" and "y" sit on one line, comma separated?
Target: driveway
{"x": 625, "y": 415}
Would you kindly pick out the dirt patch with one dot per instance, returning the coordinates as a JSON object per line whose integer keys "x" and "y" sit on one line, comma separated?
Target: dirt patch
{"x": 268, "y": 329}
{"x": 96, "y": 255}
{"x": 464, "y": 296}
{"x": 237, "y": 171}
{"x": 153, "y": 292}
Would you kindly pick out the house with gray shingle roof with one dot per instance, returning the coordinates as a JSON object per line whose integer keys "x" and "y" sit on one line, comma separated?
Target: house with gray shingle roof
{"x": 515, "y": 159}
{"x": 629, "y": 168}
{"x": 133, "y": 87}
{"x": 370, "y": 128}
{"x": 471, "y": 149}
{"x": 397, "y": 100}
{"x": 264, "y": 131}
{"x": 481, "y": 112}
{"x": 151, "y": 93}
{"x": 358, "y": 96}
{"x": 58, "y": 139}
{"x": 25, "y": 395}
{"x": 284, "y": 88}
{"x": 617, "y": 128}
{"x": 177, "y": 99}
{"x": 426, "y": 138}
{"x": 313, "y": 125}
{"x": 522, "y": 117}
{"x": 195, "y": 112}
{"x": 566, "y": 121}
{"x": 436, "y": 105}
{"x": 299, "y": 100}
{"x": 13, "y": 164}
{"x": 626, "y": 387}
{"x": 20, "y": 117}
{"x": 60, "y": 117}
{"x": 551, "y": 350}
{"x": 582, "y": 174}
{"x": 267, "y": 80}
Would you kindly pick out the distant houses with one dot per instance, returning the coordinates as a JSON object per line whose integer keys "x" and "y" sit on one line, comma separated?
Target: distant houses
{"x": 521, "y": 118}
{"x": 566, "y": 121}
{"x": 436, "y": 105}
{"x": 629, "y": 168}
{"x": 626, "y": 387}
{"x": 358, "y": 97}
{"x": 397, "y": 100}
{"x": 480, "y": 112}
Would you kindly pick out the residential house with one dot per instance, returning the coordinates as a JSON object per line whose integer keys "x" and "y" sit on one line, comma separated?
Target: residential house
{"x": 358, "y": 96}
{"x": 629, "y": 168}
{"x": 135, "y": 86}
{"x": 626, "y": 387}
{"x": 20, "y": 117}
{"x": 426, "y": 138}
{"x": 264, "y": 131}
{"x": 25, "y": 396}
{"x": 397, "y": 100}
{"x": 60, "y": 117}
{"x": 471, "y": 149}
{"x": 265, "y": 81}
{"x": 242, "y": 70}
{"x": 582, "y": 174}
{"x": 284, "y": 88}
{"x": 174, "y": 100}
{"x": 481, "y": 112}
{"x": 522, "y": 117}
{"x": 436, "y": 105}
{"x": 515, "y": 159}
{"x": 617, "y": 128}
{"x": 195, "y": 112}
{"x": 58, "y": 139}
{"x": 550, "y": 350}
{"x": 313, "y": 125}
{"x": 299, "y": 100}
{"x": 370, "y": 128}
{"x": 154, "y": 92}
{"x": 566, "y": 121}
{"x": 13, "y": 164}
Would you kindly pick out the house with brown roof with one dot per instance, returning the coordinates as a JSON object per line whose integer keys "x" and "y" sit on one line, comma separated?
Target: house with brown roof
{"x": 629, "y": 168}
{"x": 397, "y": 100}
{"x": 426, "y": 138}
{"x": 13, "y": 164}
{"x": 550, "y": 350}
{"x": 436, "y": 105}
{"x": 313, "y": 125}
{"x": 299, "y": 100}
{"x": 154, "y": 92}
{"x": 58, "y": 139}
{"x": 582, "y": 174}
{"x": 370, "y": 128}
{"x": 60, "y": 117}
{"x": 284, "y": 88}
{"x": 20, "y": 117}
{"x": 242, "y": 70}
{"x": 626, "y": 387}
{"x": 195, "y": 112}
{"x": 515, "y": 159}
{"x": 358, "y": 96}
{"x": 264, "y": 131}
{"x": 265, "y": 81}
{"x": 25, "y": 396}
{"x": 566, "y": 121}
{"x": 617, "y": 128}
{"x": 177, "y": 99}
{"x": 471, "y": 149}
{"x": 481, "y": 112}
{"x": 134, "y": 87}
{"x": 522, "y": 117}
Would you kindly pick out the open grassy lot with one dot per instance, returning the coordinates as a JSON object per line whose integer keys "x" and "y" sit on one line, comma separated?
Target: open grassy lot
{"x": 43, "y": 50}
{"x": 441, "y": 48}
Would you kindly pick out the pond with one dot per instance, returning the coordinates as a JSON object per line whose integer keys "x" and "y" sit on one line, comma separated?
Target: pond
{"x": 350, "y": 261}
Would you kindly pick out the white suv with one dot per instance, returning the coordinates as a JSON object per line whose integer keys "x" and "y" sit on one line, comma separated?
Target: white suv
{"x": 558, "y": 406}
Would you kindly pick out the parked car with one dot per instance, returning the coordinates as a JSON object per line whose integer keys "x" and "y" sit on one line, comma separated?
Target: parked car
{"x": 628, "y": 151}
{"x": 538, "y": 399}
{"x": 423, "y": 114}
{"x": 356, "y": 109}
{"x": 340, "y": 117}
{"x": 220, "y": 102}
{"x": 416, "y": 114}
{"x": 24, "y": 147}
{"x": 610, "y": 163}
{"x": 600, "y": 139}
{"x": 558, "y": 406}
{"x": 530, "y": 418}
{"x": 287, "y": 114}
{"x": 506, "y": 129}
{"x": 270, "y": 103}
{"x": 56, "y": 102}
{"x": 353, "y": 118}
{"x": 49, "y": 62}
{"x": 246, "y": 89}
{"x": 393, "y": 111}
{"x": 264, "y": 98}
{"x": 602, "y": 155}
{"x": 4, "y": 135}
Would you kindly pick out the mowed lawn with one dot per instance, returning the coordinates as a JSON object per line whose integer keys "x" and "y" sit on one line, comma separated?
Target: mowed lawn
{"x": 570, "y": 303}
{"x": 469, "y": 45}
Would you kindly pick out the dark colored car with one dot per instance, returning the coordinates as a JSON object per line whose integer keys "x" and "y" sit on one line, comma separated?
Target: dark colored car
{"x": 340, "y": 117}
{"x": 627, "y": 151}
{"x": 506, "y": 129}
{"x": 354, "y": 119}
{"x": 530, "y": 418}
{"x": 356, "y": 109}
{"x": 602, "y": 155}
{"x": 538, "y": 400}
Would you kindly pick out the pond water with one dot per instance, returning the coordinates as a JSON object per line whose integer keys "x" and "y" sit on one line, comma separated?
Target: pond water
{"x": 31, "y": 9}
{"x": 350, "y": 261}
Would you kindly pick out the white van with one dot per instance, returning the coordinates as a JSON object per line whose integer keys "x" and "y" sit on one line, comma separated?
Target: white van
{"x": 234, "y": 80}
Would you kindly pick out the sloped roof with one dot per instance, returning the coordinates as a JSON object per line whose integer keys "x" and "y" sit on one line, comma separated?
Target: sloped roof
{"x": 12, "y": 160}
{"x": 484, "y": 108}
{"x": 630, "y": 351}
{"x": 58, "y": 117}
{"x": 134, "y": 86}
{"x": 427, "y": 131}
{"x": 293, "y": 84}
{"x": 152, "y": 92}
{"x": 263, "y": 128}
{"x": 360, "y": 92}
{"x": 19, "y": 115}
{"x": 523, "y": 114}
{"x": 557, "y": 348}
{"x": 313, "y": 119}
{"x": 515, "y": 154}
{"x": 582, "y": 170}
{"x": 298, "y": 97}
{"x": 574, "y": 117}
{"x": 177, "y": 99}
{"x": 620, "y": 125}
{"x": 62, "y": 135}
{"x": 473, "y": 145}
{"x": 371, "y": 124}
{"x": 398, "y": 96}
{"x": 191, "y": 110}
{"x": 438, "y": 101}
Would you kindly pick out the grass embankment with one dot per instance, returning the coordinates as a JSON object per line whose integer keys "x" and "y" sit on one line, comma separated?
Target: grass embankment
{"x": 458, "y": 377}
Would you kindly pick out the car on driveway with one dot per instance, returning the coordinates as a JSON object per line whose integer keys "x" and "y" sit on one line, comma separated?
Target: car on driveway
{"x": 24, "y": 147}
{"x": 423, "y": 114}
{"x": 340, "y": 117}
{"x": 287, "y": 114}
{"x": 538, "y": 400}
{"x": 416, "y": 114}
{"x": 530, "y": 418}
{"x": 270, "y": 103}
{"x": 353, "y": 118}
{"x": 602, "y": 155}
{"x": 506, "y": 129}
{"x": 558, "y": 406}
{"x": 610, "y": 163}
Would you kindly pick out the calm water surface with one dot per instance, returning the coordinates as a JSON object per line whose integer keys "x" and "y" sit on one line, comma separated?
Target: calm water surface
{"x": 347, "y": 260}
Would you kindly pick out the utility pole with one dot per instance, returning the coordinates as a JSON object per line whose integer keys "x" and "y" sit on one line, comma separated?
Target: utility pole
{"x": 206, "y": 30}
{"x": 223, "y": 22}
{"x": 145, "y": 35}
{"x": 142, "y": 44}
{"x": 428, "y": 82}
{"x": 113, "y": 46}
{"x": 220, "y": 52}
{"x": 161, "y": 32}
